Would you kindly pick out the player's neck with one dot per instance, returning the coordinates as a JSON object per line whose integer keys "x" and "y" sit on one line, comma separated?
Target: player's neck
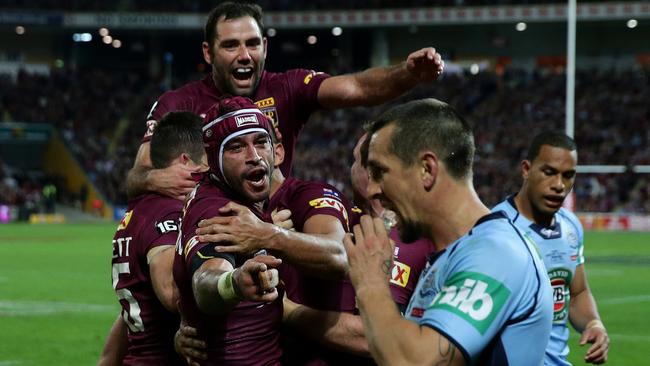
{"x": 453, "y": 214}
{"x": 526, "y": 209}
{"x": 277, "y": 178}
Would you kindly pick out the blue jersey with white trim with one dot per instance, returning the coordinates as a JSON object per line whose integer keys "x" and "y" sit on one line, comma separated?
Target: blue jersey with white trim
{"x": 489, "y": 294}
{"x": 561, "y": 247}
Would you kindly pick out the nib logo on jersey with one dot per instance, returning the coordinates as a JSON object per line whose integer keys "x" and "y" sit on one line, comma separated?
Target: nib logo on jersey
{"x": 474, "y": 297}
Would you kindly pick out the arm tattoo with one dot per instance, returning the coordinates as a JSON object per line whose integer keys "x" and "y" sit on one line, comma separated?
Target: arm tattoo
{"x": 446, "y": 350}
{"x": 385, "y": 267}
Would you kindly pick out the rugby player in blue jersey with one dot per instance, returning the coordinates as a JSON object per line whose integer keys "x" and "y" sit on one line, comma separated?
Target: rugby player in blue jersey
{"x": 548, "y": 173}
{"x": 485, "y": 297}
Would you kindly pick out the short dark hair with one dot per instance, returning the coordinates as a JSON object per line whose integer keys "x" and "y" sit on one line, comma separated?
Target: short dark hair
{"x": 551, "y": 138}
{"x": 177, "y": 133}
{"x": 231, "y": 10}
{"x": 429, "y": 124}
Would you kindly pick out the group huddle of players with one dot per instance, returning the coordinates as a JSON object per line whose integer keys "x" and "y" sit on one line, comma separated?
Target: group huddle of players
{"x": 255, "y": 266}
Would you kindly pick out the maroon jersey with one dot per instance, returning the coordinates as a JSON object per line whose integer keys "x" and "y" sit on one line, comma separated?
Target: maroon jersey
{"x": 151, "y": 220}
{"x": 287, "y": 98}
{"x": 247, "y": 335}
{"x": 307, "y": 199}
{"x": 408, "y": 262}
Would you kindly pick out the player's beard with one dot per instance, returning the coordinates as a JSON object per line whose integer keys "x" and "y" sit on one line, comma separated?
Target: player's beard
{"x": 409, "y": 231}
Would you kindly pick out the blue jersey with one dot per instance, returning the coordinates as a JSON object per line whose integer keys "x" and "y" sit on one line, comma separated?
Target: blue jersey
{"x": 561, "y": 246}
{"x": 489, "y": 294}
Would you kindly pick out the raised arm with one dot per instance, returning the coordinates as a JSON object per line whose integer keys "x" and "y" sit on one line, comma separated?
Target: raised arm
{"x": 174, "y": 181}
{"x": 583, "y": 314}
{"x": 318, "y": 250}
{"x": 379, "y": 84}
{"x": 393, "y": 340}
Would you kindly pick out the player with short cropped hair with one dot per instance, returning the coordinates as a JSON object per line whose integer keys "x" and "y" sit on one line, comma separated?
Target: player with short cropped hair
{"x": 548, "y": 173}
{"x": 236, "y": 49}
{"x": 143, "y": 255}
{"x": 231, "y": 300}
{"x": 484, "y": 298}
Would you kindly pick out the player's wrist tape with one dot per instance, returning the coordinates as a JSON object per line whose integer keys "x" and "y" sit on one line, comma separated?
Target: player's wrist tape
{"x": 596, "y": 323}
{"x": 226, "y": 287}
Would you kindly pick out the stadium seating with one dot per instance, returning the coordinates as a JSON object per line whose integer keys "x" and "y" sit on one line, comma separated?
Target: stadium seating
{"x": 87, "y": 108}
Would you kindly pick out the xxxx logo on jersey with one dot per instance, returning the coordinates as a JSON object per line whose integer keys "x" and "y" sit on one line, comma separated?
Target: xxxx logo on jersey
{"x": 475, "y": 297}
{"x": 327, "y": 202}
{"x": 560, "y": 282}
{"x": 400, "y": 274}
{"x": 267, "y": 106}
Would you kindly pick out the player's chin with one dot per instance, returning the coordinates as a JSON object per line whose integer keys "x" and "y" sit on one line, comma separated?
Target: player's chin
{"x": 256, "y": 194}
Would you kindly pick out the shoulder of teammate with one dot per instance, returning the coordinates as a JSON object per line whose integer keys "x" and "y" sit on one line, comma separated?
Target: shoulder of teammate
{"x": 180, "y": 99}
{"x": 572, "y": 220}
{"x": 317, "y": 198}
{"x": 162, "y": 226}
{"x": 205, "y": 204}
{"x": 506, "y": 207}
{"x": 303, "y": 83}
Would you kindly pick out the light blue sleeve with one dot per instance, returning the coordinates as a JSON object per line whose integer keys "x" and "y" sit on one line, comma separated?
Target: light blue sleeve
{"x": 478, "y": 291}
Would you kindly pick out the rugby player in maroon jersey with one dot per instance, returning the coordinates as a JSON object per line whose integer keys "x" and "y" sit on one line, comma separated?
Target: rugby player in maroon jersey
{"x": 236, "y": 48}
{"x": 143, "y": 255}
{"x": 231, "y": 299}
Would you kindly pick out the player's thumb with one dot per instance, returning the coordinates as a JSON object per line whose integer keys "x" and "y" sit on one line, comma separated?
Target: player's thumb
{"x": 583, "y": 338}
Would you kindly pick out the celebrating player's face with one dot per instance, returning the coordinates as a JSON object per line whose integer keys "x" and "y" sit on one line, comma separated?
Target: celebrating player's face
{"x": 248, "y": 164}
{"x": 550, "y": 177}
{"x": 237, "y": 56}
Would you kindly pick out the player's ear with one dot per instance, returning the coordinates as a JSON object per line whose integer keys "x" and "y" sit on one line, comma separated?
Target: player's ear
{"x": 525, "y": 168}
{"x": 279, "y": 154}
{"x": 429, "y": 165}
{"x": 207, "y": 52}
{"x": 184, "y": 159}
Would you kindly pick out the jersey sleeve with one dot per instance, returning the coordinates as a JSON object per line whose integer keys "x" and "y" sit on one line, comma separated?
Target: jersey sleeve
{"x": 168, "y": 102}
{"x": 476, "y": 297}
{"x": 163, "y": 230}
{"x": 190, "y": 248}
{"x": 313, "y": 199}
{"x": 303, "y": 86}
{"x": 580, "y": 259}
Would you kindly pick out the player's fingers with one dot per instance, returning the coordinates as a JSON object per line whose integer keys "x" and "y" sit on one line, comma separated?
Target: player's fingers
{"x": 233, "y": 207}
{"x": 367, "y": 225}
{"x": 224, "y": 239}
{"x": 358, "y": 235}
{"x": 280, "y": 216}
{"x": 235, "y": 248}
{"x": 379, "y": 227}
{"x": 583, "y": 339}
{"x": 431, "y": 52}
{"x": 223, "y": 220}
{"x": 270, "y": 295}
{"x": 268, "y": 260}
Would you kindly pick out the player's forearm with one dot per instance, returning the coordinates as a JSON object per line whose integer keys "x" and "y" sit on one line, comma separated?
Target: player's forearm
{"x": 205, "y": 285}
{"x": 583, "y": 310}
{"x": 116, "y": 344}
{"x": 341, "y": 331}
{"x": 137, "y": 181}
{"x": 394, "y": 340}
{"x": 320, "y": 255}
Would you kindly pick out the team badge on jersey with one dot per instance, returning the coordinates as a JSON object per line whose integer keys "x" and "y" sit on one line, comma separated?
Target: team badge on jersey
{"x": 125, "y": 220}
{"x": 267, "y": 106}
{"x": 560, "y": 283}
{"x": 400, "y": 274}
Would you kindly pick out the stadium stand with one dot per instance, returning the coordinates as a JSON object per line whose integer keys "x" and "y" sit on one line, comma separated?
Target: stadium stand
{"x": 101, "y": 118}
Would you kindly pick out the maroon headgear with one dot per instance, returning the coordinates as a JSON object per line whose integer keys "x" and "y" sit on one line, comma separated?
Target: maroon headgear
{"x": 227, "y": 119}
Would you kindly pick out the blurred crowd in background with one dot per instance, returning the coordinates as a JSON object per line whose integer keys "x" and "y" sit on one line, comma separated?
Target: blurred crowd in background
{"x": 101, "y": 118}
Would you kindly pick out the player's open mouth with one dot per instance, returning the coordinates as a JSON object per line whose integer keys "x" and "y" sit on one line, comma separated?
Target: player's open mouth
{"x": 242, "y": 73}
{"x": 257, "y": 178}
